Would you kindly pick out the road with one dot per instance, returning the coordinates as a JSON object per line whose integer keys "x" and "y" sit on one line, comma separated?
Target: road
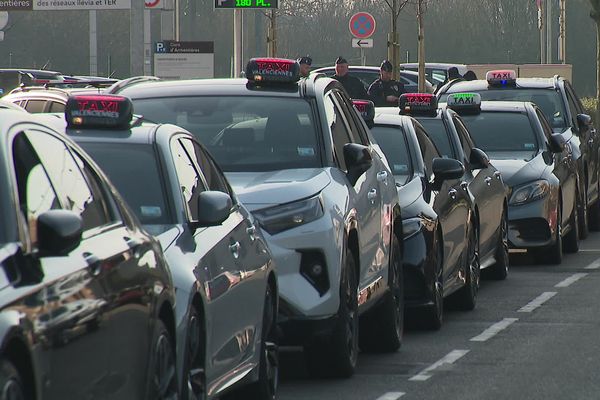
{"x": 534, "y": 336}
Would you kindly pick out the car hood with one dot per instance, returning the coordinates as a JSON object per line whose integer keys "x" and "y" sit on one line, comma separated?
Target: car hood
{"x": 515, "y": 172}
{"x": 260, "y": 189}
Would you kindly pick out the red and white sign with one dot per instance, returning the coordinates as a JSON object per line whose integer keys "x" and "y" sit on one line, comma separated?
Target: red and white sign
{"x": 153, "y": 3}
{"x": 362, "y": 25}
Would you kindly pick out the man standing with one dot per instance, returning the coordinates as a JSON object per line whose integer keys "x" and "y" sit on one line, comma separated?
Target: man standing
{"x": 353, "y": 85}
{"x": 305, "y": 64}
{"x": 384, "y": 92}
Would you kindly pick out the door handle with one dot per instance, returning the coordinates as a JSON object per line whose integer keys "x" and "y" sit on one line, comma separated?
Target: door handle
{"x": 94, "y": 263}
{"x": 235, "y": 249}
{"x": 372, "y": 195}
{"x": 452, "y": 193}
{"x": 382, "y": 177}
{"x": 488, "y": 180}
{"x": 464, "y": 185}
{"x": 497, "y": 174}
{"x": 251, "y": 231}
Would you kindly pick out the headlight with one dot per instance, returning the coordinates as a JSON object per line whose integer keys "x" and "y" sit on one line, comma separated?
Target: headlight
{"x": 288, "y": 216}
{"x": 527, "y": 193}
{"x": 411, "y": 227}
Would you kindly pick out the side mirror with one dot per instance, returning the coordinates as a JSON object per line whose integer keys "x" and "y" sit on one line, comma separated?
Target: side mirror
{"x": 557, "y": 143}
{"x": 478, "y": 159}
{"x": 446, "y": 169}
{"x": 214, "y": 207}
{"x": 58, "y": 232}
{"x": 584, "y": 122}
{"x": 358, "y": 160}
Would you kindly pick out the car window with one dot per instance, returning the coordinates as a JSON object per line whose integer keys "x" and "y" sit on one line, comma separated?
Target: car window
{"x": 338, "y": 129}
{"x": 244, "y": 133}
{"x": 463, "y": 136}
{"x": 124, "y": 166}
{"x": 213, "y": 176}
{"x": 36, "y": 194}
{"x": 35, "y": 106}
{"x": 507, "y": 135}
{"x": 56, "y": 107}
{"x": 355, "y": 128}
{"x": 436, "y": 130}
{"x": 65, "y": 172}
{"x": 573, "y": 108}
{"x": 544, "y": 122}
{"x": 392, "y": 141}
{"x": 190, "y": 182}
{"x": 428, "y": 150}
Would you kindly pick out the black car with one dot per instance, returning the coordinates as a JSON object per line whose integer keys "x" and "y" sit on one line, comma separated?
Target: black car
{"x": 563, "y": 110}
{"x": 482, "y": 180}
{"x": 434, "y": 210}
{"x": 86, "y": 299}
{"x": 225, "y": 281}
{"x": 536, "y": 165}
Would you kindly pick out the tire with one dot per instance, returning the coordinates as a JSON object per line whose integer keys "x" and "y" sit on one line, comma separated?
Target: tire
{"x": 163, "y": 376}
{"x": 381, "y": 330}
{"x": 571, "y": 240}
{"x": 265, "y": 388}
{"x": 552, "y": 254}
{"x": 466, "y": 298}
{"x": 11, "y": 384}
{"x": 335, "y": 356}
{"x": 194, "y": 368}
{"x": 499, "y": 271}
{"x": 433, "y": 316}
{"x": 582, "y": 214}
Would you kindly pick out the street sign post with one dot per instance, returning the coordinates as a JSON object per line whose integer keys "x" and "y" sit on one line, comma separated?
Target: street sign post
{"x": 361, "y": 25}
{"x": 362, "y": 43}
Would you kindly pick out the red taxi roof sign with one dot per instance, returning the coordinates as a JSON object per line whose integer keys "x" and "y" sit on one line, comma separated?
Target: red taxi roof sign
{"x": 365, "y": 108}
{"x": 501, "y": 77}
{"x": 272, "y": 70}
{"x": 417, "y": 103}
{"x": 464, "y": 102}
{"x": 98, "y": 111}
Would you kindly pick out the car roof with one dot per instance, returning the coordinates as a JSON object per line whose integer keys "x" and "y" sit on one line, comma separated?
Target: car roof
{"x": 482, "y": 85}
{"x": 365, "y": 68}
{"x": 391, "y": 119}
{"x": 141, "y": 132}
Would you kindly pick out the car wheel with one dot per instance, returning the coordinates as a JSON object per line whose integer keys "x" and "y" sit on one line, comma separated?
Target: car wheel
{"x": 194, "y": 359}
{"x": 163, "y": 378}
{"x": 552, "y": 254}
{"x": 499, "y": 271}
{"x": 582, "y": 213}
{"x": 571, "y": 239}
{"x": 11, "y": 384}
{"x": 382, "y": 329}
{"x": 434, "y": 315}
{"x": 467, "y": 296}
{"x": 265, "y": 388}
{"x": 335, "y": 356}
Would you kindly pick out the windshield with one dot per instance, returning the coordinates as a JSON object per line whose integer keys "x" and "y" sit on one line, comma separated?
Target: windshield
{"x": 244, "y": 133}
{"x": 503, "y": 132}
{"x": 393, "y": 143}
{"x": 436, "y": 130}
{"x": 134, "y": 171}
{"x": 548, "y": 100}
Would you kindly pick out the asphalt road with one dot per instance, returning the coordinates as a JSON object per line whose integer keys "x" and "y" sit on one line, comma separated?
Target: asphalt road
{"x": 533, "y": 336}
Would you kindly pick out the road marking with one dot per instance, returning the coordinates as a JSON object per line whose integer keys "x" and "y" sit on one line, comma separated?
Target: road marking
{"x": 449, "y": 358}
{"x": 391, "y": 396}
{"x": 538, "y": 301}
{"x": 594, "y": 265}
{"x": 494, "y": 330}
{"x": 573, "y": 278}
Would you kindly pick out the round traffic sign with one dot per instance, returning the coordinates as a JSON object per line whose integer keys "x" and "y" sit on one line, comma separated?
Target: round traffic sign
{"x": 151, "y": 3}
{"x": 362, "y": 25}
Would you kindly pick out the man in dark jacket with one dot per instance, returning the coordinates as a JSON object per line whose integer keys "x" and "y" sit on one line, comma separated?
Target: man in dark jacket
{"x": 353, "y": 85}
{"x": 385, "y": 91}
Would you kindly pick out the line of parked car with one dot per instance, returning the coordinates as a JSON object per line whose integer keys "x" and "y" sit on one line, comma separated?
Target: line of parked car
{"x": 164, "y": 238}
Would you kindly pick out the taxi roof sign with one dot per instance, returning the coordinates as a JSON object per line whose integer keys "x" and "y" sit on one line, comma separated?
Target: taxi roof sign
{"x": 365, "y": 108}
{"x": 418, "y": 103}
{"x": 464, "y": 102}
{"x": 98, "y": 111}
{"x": 501, "y": 77}
{"x": 272, "y": 70}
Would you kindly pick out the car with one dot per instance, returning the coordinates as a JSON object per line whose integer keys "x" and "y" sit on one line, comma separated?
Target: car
{"x": 222, "y": 268}
{"x": 435, "y": 257}
{"x": 563, "y": 110}
{"x": 537, "y": 166}
{"x": 69, "y": 244}
{"x": 436, "y": 73}
{"x": 43, "y": 99}
{"x": 368, "y": 74}
{"x": 481, "y": 180}
{"x": 303, "y": 161}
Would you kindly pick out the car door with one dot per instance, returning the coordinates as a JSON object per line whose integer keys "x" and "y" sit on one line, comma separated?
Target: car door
{"x": 69, "y": 331}
{"x": 364, "y": 195}
{"x": 216, "y": 249}
{"x": 452, "y": 205}
{"x": 488, "y": 189}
